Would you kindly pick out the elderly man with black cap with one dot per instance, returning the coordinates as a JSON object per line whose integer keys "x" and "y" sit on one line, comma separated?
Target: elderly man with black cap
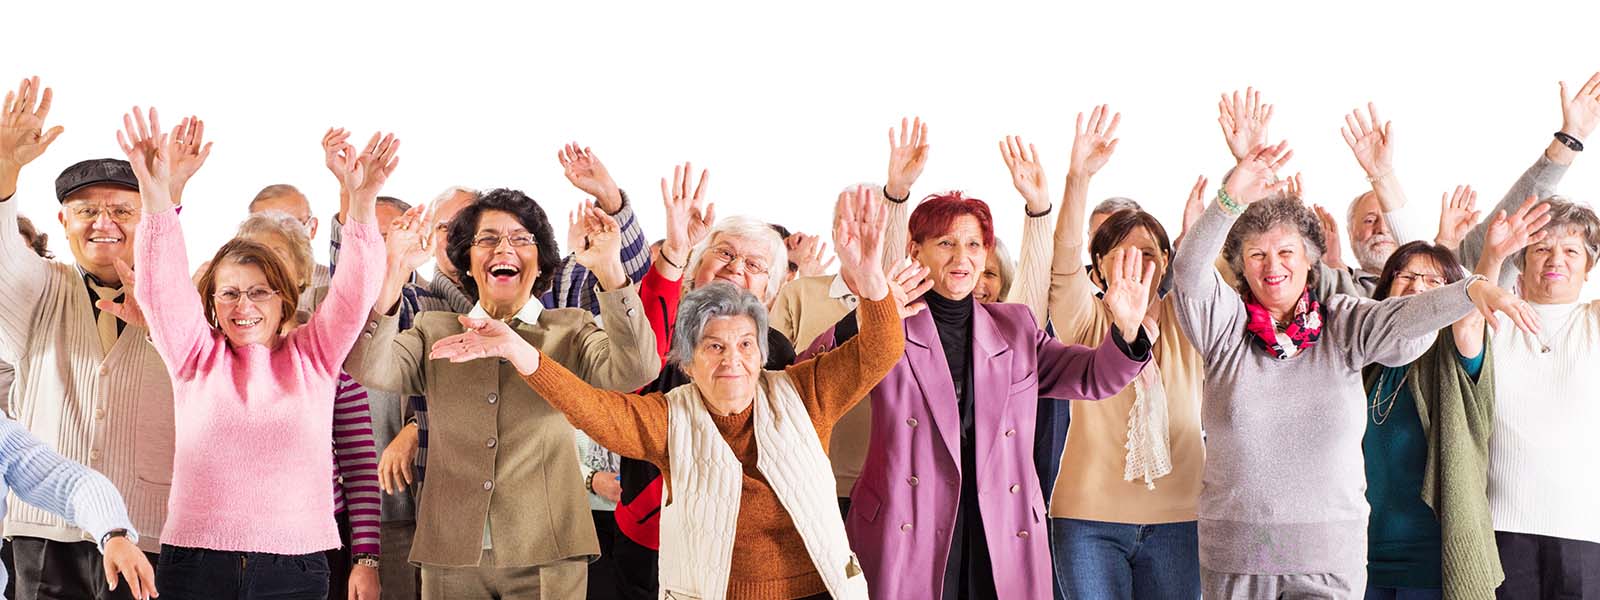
{"x": 89, "y": 385}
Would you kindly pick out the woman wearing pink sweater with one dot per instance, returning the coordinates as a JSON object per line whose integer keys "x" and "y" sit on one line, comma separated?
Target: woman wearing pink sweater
{"x": 251, "y": 510}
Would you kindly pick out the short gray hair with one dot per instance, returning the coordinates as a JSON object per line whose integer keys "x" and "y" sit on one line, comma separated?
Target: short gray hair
{"x": 450, "y": 192}
{"x": 1008, "y": 269}
{"x": 1566, "y": 214}
{"x": 282, "y": 224}
{"x": 1114, "y": 205}
{"x": 1266, "y": 215}
{"x": 749, "y": 229}
{"x": 699, "y": 307}
{"x": 395, "y": 203}
{"x": 277, "y": 190}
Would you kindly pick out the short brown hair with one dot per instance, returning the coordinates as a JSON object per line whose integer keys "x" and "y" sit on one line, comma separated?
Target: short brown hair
{"x": 245, "y": 252}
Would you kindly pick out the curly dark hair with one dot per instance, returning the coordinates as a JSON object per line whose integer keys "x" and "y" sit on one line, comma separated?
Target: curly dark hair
{"x": 464, "y": 227}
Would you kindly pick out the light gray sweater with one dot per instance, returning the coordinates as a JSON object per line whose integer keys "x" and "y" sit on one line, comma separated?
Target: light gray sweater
{"x": 1284, "y": 490}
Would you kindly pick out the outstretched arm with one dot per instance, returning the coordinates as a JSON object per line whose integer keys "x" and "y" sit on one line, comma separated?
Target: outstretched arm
{"x": 1372, "y": 142}
{"x": 22, "y": 139}
{"x": 908, "y": 154}
{"x": 1031, "y": 287}
{"x": 1071, "y": 293}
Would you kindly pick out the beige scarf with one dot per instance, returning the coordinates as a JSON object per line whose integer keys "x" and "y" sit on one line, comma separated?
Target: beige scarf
{"x": 1149, "y": 457}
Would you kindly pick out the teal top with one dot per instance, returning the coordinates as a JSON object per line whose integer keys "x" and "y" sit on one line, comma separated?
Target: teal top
{"x": 1403, "y": 545}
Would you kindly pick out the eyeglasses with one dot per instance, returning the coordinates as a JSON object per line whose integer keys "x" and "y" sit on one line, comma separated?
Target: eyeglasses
{"x": 517, "y": 240}
{"x": 1407, "y": 278}
{"x": 752, "y": 265}
{"x": 256, "y": 295}
{"x": 88, "y": 213}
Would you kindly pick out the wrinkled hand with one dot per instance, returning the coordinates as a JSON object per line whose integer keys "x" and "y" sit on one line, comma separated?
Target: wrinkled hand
{"x": 364, "y": 174}
{"x": 149, "y": 153}
{"x": 599, "y": 237}
{"x": 1093, "y": 142}
{"x": 1488, "y": 298}
{"x": 1580, "y": 113}
{"x": 1027, "y": 175}
{"x": 1244, "y": 121}
{"x": 1371, "y": 140}
{"x": 1195, "y": 205}
{"x": 859, "y": 222}
{"x": 410, "y": 240}
{"x": 364, "y": 583}
{"x": 485, "y": 338}
{"x": 22, "y": 134}
{"x": 189, "y": 152}
{"x": 606, "y": 485}
{"x": 588, "y": 174}
{"x": 124, "y": 558}
{"x": 1127, "y": 295}
{"x": 908, "y": 282}
{"x": 394, "y": 465}
{"x": 1333, "y": 247}
{"x": 1458, "y": 214}
{"x": 689, "y": 216}
{"x": 1255, "y": 179}
{"x": 907, "y": 157}
{"x": 1508, "y": 234}
{"x": 128, "y": 309}
{"x": 806, "y": 252}
{"x": 335, "y": 146}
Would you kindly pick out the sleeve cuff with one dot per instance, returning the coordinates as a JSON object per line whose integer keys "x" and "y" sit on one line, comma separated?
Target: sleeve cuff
{"x": 1138, "y": 351}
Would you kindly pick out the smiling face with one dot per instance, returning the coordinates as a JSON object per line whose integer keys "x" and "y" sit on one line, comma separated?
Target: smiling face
{"x": 746, "y": 263}
{"x": 956, "y": 259}
{"x": 1370, "y": 237}
{"x": 991, "y": 282}
{"x": 727, "y": 362}
{"x": 1555, "y": 269}
{"x": 100, "y": 221}
{"x": 505, "y": 272}
{"x": 1276, "y": 268}
{"x": 242, "y": 320}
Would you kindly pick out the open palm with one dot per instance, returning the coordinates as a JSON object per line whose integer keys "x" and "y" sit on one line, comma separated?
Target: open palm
{"x": 22, "y": 137}
{"x": 1371, "y": 140}
{"x": 1128, "y": 281}
{"x": 1027, "y": 175}
{"x": 1095, "y": 140}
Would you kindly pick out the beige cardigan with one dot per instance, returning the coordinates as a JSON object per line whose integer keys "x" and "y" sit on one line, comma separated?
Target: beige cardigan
{"x": 110, "y": 411}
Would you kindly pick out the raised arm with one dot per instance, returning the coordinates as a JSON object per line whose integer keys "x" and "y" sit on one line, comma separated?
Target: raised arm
{"x": 1580, "y": 113}
{"x": 1074, "y": 371}
{"x": 1072, "y": 294}
{"x": 1372, "y": 142}
{"x": 1244, "y": 121}
{"x": 354, "y": 289}
{"x": 689, "y": 220}
{"x": 1505, "y": 236}
{"x": 623, "y": 356}
{"x": 22, "y": 139}
{"x": 574, "y": 285}
{"x": 908, "y": 154}
{"x": 1032, "y": 285}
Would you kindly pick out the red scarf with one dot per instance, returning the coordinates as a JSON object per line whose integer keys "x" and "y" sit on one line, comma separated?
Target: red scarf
{"x": 1305, "y": 326}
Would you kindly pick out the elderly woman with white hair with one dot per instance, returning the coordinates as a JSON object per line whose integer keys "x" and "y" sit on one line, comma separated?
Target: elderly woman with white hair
{"x": 742, "y": 447}
{"x": 1282, "y": 508}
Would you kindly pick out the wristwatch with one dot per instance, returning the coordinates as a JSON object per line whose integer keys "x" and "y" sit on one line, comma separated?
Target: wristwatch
{"x": 366, "y": 560}
{"x": 115, "y": 533}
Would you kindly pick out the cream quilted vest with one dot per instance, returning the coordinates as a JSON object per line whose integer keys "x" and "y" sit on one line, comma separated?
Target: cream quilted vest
{"x": 698, "y": 522}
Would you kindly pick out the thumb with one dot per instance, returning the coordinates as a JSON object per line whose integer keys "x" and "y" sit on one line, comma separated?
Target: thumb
{"x": 472, "y": 323}
{"x": 50, "y": 136}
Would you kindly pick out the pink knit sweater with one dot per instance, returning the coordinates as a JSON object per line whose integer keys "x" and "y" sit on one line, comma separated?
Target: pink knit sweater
{"x": 254, "y": 425}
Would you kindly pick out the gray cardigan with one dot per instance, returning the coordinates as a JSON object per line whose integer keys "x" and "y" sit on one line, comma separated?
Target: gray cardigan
{"x": 1284, "y": 490}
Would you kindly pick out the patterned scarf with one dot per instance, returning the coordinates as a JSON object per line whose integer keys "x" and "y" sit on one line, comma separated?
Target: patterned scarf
{"x": 1304, "y": 327}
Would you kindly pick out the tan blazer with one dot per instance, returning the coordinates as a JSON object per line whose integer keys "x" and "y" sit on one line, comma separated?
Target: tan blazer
{"x": 496, "y": 449}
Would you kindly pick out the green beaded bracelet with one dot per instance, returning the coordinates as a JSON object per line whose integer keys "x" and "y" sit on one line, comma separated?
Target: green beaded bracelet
{"x": 1228, "y": 204}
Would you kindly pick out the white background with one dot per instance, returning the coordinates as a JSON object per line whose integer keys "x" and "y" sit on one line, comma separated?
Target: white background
{"x": 788, "y": 103}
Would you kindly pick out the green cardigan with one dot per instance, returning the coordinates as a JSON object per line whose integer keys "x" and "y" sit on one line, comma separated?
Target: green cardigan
{"x": 1457, "y": 417}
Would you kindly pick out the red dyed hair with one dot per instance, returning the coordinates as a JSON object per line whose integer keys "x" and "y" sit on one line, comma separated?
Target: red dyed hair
{"x": 939, "y": 212}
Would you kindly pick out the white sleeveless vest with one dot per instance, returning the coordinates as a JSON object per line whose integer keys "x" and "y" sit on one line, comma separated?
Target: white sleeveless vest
{"x": 699, "y": 520}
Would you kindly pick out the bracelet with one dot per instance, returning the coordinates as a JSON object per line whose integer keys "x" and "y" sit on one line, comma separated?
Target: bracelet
{"x": 115, "y": 533}
{"x": 1046, "y": 211}
{"x": 669, "y": 260}
{"x": 1228, "y": 204}
{"x": 588, "y": 481}
{"x": 1570, "y": 142}
{"x": 893, "y": 199}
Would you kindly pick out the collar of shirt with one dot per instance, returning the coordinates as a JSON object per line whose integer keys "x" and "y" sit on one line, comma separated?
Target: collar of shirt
{"x": 529, "y": 313}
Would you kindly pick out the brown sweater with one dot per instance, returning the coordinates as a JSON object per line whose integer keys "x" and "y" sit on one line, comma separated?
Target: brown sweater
{"x": 769, "y": 558}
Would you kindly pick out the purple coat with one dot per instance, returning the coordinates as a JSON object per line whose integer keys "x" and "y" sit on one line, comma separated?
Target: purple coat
{"x": 904, "y": 505}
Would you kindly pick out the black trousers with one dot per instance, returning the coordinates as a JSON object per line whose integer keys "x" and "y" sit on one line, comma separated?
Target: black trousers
{"x": 637, "y": 574}
{"x": 339, "y": 561}
{"x": 1547, "y": 568}
{"x": 604, "y": 583}
{"x": 200, "y": 574}
{"x": 48, "y": 570}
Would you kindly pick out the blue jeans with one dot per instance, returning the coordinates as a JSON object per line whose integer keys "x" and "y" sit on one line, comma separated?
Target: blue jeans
{"x": 203, "y": 574}
{"x": 1389, "y": 593}
{"x": 1096, "y": 560}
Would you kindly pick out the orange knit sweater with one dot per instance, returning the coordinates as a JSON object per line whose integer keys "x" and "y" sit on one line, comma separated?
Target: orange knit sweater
{"x": 769, "y": 558}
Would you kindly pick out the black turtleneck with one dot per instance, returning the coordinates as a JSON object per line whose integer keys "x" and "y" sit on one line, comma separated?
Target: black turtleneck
{"x": 968, "y": 573}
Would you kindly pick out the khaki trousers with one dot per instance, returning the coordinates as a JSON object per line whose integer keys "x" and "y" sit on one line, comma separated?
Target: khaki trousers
{"x": 560, "y": 580}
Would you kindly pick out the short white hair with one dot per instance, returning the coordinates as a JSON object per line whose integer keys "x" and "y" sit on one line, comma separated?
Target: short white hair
{"x": 450, "y": 192}
{"x": 749, "y": 229}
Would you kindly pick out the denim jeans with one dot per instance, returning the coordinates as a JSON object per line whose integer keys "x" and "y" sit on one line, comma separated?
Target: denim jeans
{"x": 1389, "y": 593}
{"x": 201, "y": 574}
{"x": 1096, "y": 560}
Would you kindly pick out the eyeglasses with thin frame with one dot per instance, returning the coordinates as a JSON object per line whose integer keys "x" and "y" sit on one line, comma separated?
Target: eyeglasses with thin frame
{"x": 753, "y": 266}
{"x": 1408, "y": 277}
{"x": 492, "y": 240}
{"x": 88, "y": 212}
{"x": 256, "y": 295}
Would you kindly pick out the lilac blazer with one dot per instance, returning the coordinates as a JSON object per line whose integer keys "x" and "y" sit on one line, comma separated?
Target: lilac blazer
{"x": 904, "y": 505}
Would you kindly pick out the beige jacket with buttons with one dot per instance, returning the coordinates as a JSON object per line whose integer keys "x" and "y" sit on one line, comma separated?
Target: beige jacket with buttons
{"x": 496, "y": 449}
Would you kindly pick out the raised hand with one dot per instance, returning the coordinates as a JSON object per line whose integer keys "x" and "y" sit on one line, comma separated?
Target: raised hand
{"x": 907, "y": 283}
{"x": 1488, "y": 298}
{"x": 1026, "y": 173}
{"x": 599, "y": 248}
{"x": 335, "y": 147}
{"x": 127, "y": 310}
{"x": 1458, "y": 214}
{"x": 1244, "y": 121}
{"x": 485, "y": 338}
{"x": 1579, "y": 113}
{"x": 190, "y": 150}
{"x": 1255, "y": 179}
{"x": 1371, "y": 140}
{"x": 859, "y": 224}
{"x": 364, "y": 174}
{"x": 587, "y": 173}
{"x": 124, "y": 558}
{"x": 1333, "y": 248}
{"x": 806, "y": 252}
{"x": 149, "y": 154}
{"x": 1195, "y": 205}
{"x": 410, "y": 240}
{"x": 1297, "y": 188}
{"x": 907, "y": 157}
{"x": 689, "y": 216}
{"x": 22, "y": 134}
{"x": 1094, "y": 141}
{"x": 1508, "y": 234}
{"x": 1127, "y": 297}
